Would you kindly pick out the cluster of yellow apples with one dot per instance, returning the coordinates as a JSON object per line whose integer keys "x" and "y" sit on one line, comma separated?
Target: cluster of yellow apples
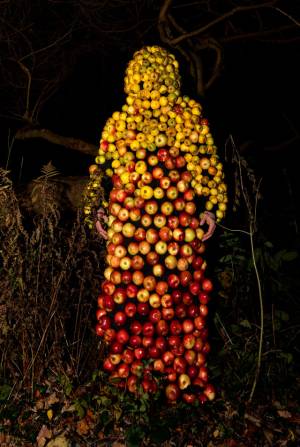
{"x": 165, "y": 171}
{"x": 155, "y": 116}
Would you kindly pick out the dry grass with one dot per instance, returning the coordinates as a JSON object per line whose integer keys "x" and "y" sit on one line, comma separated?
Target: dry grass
{"x": 49, "y": 279}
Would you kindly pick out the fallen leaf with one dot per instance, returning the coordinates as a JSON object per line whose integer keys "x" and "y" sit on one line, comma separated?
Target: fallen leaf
{"x": 50, "y": 415}
{"x": 82, "y": 427}
{"x": 51, "y": 400}
{"x": 39, "y": 405}
{"x": 284, "y": 414}
{"x": 60, "y": 441}
{"x": 43, "y": 435}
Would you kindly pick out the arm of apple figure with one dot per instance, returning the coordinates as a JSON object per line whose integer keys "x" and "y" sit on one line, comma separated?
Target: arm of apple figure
{"x": 101, "y": 218}
{"x": 208, "y": 218}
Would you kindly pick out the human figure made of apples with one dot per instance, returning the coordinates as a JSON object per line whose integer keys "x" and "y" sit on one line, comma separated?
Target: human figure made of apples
{"x": 167, "y": 181}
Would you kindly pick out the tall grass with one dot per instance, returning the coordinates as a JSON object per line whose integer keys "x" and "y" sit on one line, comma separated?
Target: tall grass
{"x": 49, "y": 281}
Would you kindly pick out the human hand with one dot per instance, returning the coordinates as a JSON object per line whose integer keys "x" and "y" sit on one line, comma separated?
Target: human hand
{"x": 208, "y": 218}
{"x": 101, "y": 218}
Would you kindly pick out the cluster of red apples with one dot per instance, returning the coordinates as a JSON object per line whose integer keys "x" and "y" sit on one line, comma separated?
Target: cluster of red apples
{"x": 154, "y": 299}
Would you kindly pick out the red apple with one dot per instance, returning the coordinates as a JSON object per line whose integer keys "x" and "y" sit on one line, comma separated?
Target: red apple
{"x": 165, "y": 234}
{"x": 210, "y": 392}
{"x": 135, "y": 341}
{"x": 180, "y": 310}
{"x": 154, "y": 315}
{"x": 194, "y": 288}
{"x": 185, "y": 278}
{"x": 173, "y": 281}
{"x": 122, "y": 336}
{"x": 193, "y": 311}
{"x": 128, "y": 356}
{"x": 168, "y": 313}
{"x": 164, "y": 182}
{"x": 120, "y": 318}
{"x": 166, "y": 300}
{"x": 99, "y": 330}
{"x": 157, "y": 173}
{"x": 199, "y": 322}
{"x": 189, "y": 398}
{"x": 116, "y": 348}
{"x": 168, "y": 357}
{"x": 120, "y": 295}
{"x": 161, "y": 343}
{"x": 178, "y": 234}
{"x": 140, "y": 353}
{"x": 173, "y": 222}
{"x": 143, "y": 309}
{"x": 132, "y": 384}
{"x": 162, "y": 328}
{"x": 173, "y": 248}
{"x": 138, "y": 277}
{"x": 136, "y": 368}
{"x": 203, "y": 298}
{"x": 175, "y": 327}
{"x": 172, "y": 392}
{"x": 207, "y": 285}
{"x": 123, "y": 371}
{"x": 190, "y": 356}
{"x": 180, "y": 365}
{"x": 126, "y": 277}
{"x": 139, "y": 234}
{"x": 108, "y": 365}
{"x": 131, "y": 291}
{"x": 161, "y": 287}
{"x": 148, "y": 329}
{"x": 158, "y": 365}
{"x": 187, "y": 326}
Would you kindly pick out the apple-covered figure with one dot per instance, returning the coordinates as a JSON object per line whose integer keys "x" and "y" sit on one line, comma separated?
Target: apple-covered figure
{"x": 167, "y": 192}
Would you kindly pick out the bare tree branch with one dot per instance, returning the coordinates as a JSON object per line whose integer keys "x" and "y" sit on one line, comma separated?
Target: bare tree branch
{"x": 68, "y": 142}
{"x": 220, "y": 19}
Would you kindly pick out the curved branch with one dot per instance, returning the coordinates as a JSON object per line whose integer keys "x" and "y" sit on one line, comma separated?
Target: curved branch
{"x": 68, "y": 142}
{"x": 23, "y": 67}
{"x": 212, "y": 43}
{"x": 220, "y": 19}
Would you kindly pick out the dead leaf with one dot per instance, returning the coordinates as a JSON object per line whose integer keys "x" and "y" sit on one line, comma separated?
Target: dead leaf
{"x": 82, "y": 427}
{"x": 39, "y": 405}
{"x": 43, "y": 435}
{"x": 59, "y": 441}
{"x": 269, "y": 437}
{"x": 284, "y": 414}
{"x": 51, "y": 400}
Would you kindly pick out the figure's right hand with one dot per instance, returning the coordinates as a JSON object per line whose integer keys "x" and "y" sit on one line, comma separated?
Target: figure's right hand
{"x": 101, "y": 218}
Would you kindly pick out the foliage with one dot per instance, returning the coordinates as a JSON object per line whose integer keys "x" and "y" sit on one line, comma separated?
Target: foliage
{"x": 48, "y": 277}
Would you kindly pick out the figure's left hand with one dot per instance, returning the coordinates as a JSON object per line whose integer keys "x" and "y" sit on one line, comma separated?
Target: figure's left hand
{"x": 208, "y": 218}
{"x": 101, "y": 217}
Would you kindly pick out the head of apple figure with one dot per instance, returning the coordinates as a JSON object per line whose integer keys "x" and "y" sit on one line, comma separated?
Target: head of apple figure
{"x": 151, "y": 75}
